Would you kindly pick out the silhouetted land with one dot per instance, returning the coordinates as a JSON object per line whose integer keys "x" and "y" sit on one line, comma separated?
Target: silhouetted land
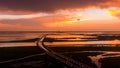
{"x": 113, "y": 62}
{"x": 44, "y": 61}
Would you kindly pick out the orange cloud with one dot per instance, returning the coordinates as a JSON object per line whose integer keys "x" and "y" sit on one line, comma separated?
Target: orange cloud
{"x": 61, "y": 20}
{"x": 5, "y": 26}
{"x": 115, "y": 12}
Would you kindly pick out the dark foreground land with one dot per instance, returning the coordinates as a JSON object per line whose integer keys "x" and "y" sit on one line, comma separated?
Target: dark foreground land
{"x": 36, "y": 58}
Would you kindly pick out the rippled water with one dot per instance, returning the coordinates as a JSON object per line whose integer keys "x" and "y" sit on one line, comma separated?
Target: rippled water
{"x": 13, "y": 36}
{"x": 81, "y": 39}
{"x": 6, "y": 36}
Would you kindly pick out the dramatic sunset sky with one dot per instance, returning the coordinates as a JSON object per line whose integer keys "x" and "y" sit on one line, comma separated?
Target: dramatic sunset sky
{"x": 78, "y": 15}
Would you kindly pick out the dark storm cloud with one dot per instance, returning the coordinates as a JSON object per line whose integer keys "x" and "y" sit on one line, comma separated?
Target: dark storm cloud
{"x": 49, "y": 5}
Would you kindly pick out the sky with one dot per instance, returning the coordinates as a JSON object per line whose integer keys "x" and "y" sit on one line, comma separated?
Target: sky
{"x": 59, "y": 15}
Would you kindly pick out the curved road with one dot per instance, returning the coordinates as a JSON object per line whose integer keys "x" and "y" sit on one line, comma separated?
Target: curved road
{"x": 65, "y": 60}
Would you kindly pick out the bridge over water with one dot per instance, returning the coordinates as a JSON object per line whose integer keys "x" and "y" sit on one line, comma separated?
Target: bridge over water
{"x": 61, "y": 58}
